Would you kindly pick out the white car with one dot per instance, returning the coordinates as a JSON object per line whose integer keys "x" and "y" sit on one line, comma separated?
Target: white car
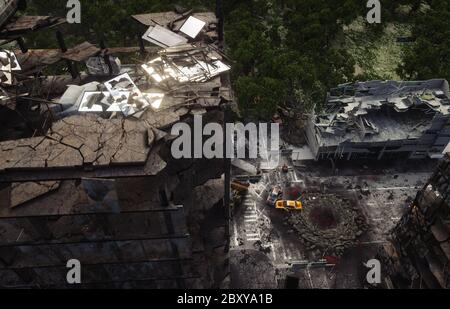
{"x": 274, "y": 195}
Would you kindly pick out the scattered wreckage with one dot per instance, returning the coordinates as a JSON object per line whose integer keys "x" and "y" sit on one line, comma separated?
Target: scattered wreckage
{"x": 184, "y": 79}
{"x": 382, "y": 119}
{"x": 189, "y": 56}
{"x": 93, "y": 177}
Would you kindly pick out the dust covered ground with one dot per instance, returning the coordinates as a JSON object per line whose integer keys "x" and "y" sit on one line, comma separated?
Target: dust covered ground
{"x": 347, "y": 216}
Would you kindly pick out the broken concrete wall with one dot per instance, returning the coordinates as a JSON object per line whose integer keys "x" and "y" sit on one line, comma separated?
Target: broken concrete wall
{"x": 120, "y": 229}
{"x": 419, "y": 255}
{"x": 104, "y": 188}
{"x": 112, "y": 231}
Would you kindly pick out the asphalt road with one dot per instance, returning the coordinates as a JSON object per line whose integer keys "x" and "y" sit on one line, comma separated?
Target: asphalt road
{"x": 256, "y": 225}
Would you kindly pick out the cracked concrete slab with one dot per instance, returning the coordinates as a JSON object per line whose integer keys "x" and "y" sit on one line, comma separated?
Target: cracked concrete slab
{"x": 80, "y": 140}
{"x": 84, "y": 142}
{"x": 93, "y": 196}
{"x": 209, "y": 194}
{"x": 20, "y": 193}
{"x": 122, "y": 199}
{"x": 161, "y": 119}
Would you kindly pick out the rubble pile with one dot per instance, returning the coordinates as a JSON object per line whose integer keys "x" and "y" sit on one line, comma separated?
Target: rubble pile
{"x": 382, "y": 119}
{"x": 328, "y": 222}
{"x": 94, "y": 179}
{"x": 251, "y": 269}
{"x": 418, "y": 255}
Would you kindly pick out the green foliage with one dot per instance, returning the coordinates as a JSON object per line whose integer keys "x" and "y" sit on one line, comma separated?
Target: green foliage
{"x": 259, "y": 96}
{"x": 103, "y": 19}
{"x": 429, "y": 57}
{"x": 287, "y": 45}
{"x": 284, "y": 51}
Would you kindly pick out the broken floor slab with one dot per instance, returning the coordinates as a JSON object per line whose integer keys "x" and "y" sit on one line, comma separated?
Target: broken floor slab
{"x": 81, "y": 52}
{"x": 77, "y": 141}
{"x": 23, "y": 24}
{"x": 175, "y": 20}
{"x": 83, "y": 141}
{"x": 94, "y": 196}
{"x": 209, "y": 194}
{"x": 245, "y": 166}
{"x": 21, "y": 193}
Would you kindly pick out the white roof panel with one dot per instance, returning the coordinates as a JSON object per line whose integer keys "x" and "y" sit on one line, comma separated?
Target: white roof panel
{"x": 192, "y": 27}
{"x": 163, "y": 37}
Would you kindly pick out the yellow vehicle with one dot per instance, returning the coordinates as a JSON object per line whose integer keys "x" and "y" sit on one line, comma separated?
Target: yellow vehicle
{"x": 296, "y": 205}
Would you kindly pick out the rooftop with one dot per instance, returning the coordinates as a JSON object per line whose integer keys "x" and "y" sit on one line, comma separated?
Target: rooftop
{"x": 377, "y": 111}
{"x": 112, "y": 125}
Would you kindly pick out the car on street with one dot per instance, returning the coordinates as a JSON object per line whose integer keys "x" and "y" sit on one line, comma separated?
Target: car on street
{"x": 295, "y": 205}
{"x": 274, "y": 195}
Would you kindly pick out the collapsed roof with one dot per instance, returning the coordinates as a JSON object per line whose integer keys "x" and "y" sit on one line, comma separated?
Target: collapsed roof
{"x": 192, "y": 57}
{"x": 24, "y": 24}
{"x": 13, "y": 26}
{"x": 175, "y": 78}
{"x": 97, "y": 174}
{"x": 378, "y": 111}
{"x": 112, "y": 125}
{"x": 187, "y": 24}
{"x": 185, "y": 62}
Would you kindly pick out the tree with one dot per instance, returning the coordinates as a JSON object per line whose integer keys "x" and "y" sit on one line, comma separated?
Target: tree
{"x": 428, "y": 56}
{"x": 103, "y": 19}
{"x": 289, "y": 42}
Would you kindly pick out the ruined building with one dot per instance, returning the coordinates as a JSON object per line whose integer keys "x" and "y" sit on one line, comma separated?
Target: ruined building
{"x": 419, "y": 253}
{"x": 92, "y": 177}
{"x": 382, "y": 119}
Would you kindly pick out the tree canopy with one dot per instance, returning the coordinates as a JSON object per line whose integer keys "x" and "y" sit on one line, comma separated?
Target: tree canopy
{"x": 428, "y": 57}
{"x": 284, "y": 51}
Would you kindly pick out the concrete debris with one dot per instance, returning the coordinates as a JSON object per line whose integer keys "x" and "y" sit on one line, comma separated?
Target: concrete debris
{"x": 97, "y": 66}
{"x": 328, "y": 222}
{"x": 187, "y": 63}
{"x": 163, "y": 37}
{"x": 21, "y": 193}
{"x": 192, "y": 27}
{"x": 78, "y": 141}
{"x": 81, "y": 52}
{"x": 36, "y": 59}
{"x": 194, "y": 85}
{"x": 244, "y": 166}
{"x": 25, "y": 24}
{"x": 418, "y": 255}
{"x": 92, "y": 176}
{"x": 209, "y": 194}
{"x": 381, "y": 118}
